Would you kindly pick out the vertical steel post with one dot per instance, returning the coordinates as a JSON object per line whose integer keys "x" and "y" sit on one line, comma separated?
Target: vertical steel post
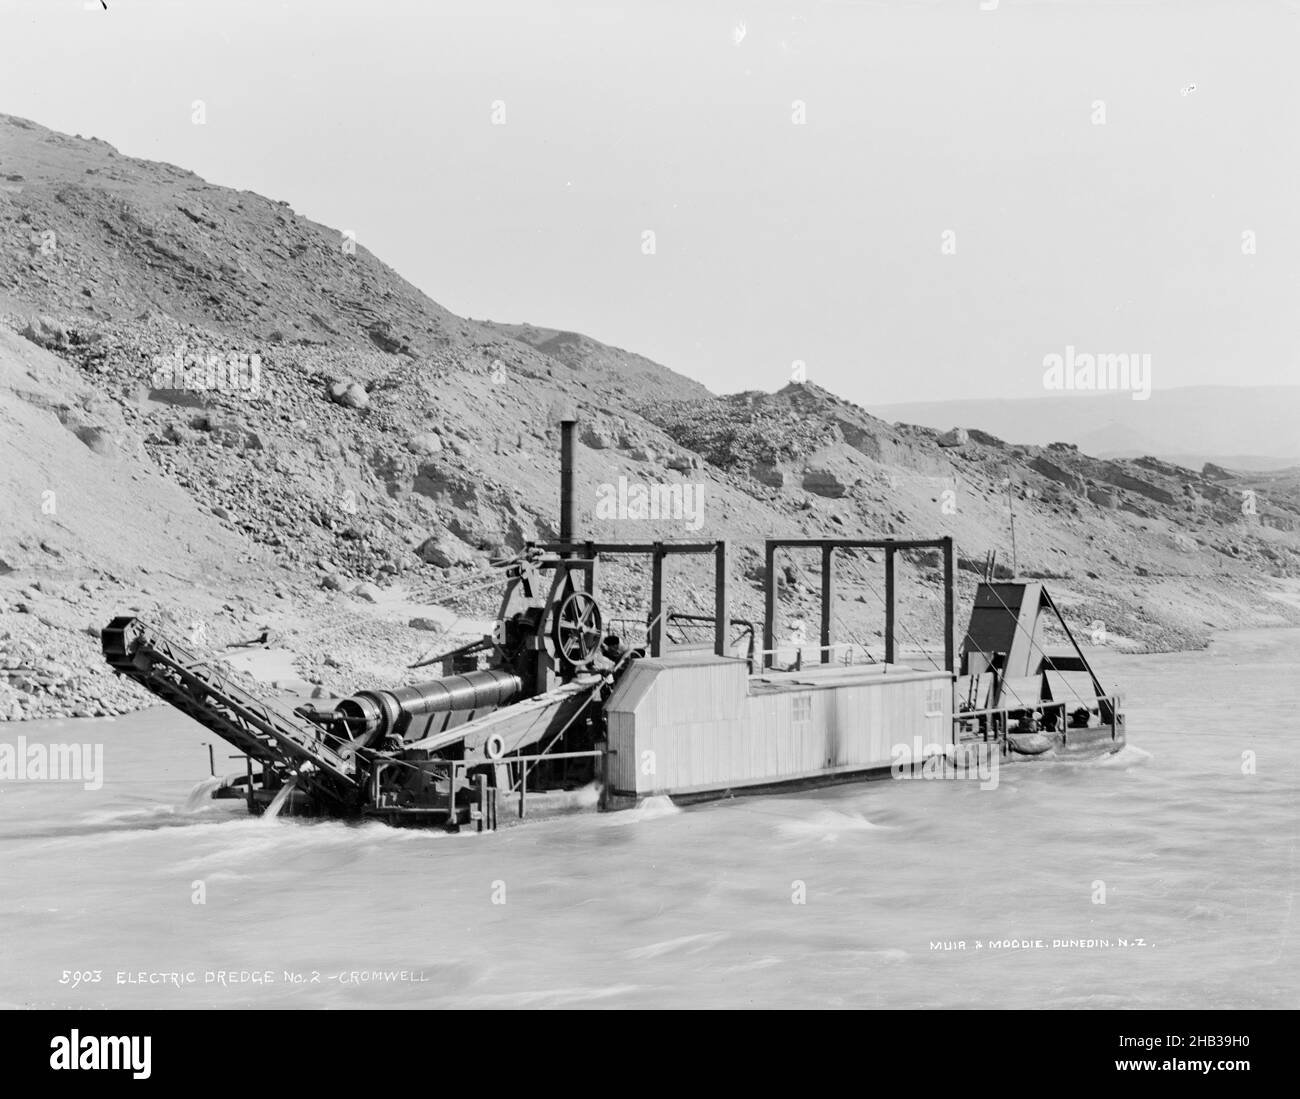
{"x": 721, "y": 603}
{"x": 889, "y": 603}
{"x": 769, "y": 603}
{"x": 568, "y": 490}
{"x": 949, "y": 609}
{"x": 828, "y": 584}
{"x": 657, "y": 600}
{"x": 591, "y": 572}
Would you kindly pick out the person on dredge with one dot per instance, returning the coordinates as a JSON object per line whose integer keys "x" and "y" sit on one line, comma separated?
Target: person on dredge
{"x": 614, "y": 654}
{"x": 611, "y": 648}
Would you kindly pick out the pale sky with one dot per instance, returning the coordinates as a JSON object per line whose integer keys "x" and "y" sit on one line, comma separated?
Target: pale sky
{"x": 774, "y": 241}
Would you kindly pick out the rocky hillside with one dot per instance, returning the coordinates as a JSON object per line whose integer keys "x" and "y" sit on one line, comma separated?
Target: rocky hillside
{"x": 621, "y": 374}
{"x": 215, "y": 411}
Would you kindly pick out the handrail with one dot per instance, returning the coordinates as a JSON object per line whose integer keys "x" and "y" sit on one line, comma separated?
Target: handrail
{"x": 1000, "y": 730}
{"x": 847, "y": 646}
{"x": 594, "y": 753}
{"x": 1041, "y": 705}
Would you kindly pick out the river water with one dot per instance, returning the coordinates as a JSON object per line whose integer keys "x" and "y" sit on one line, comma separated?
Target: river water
{"x": 856, "y": 896}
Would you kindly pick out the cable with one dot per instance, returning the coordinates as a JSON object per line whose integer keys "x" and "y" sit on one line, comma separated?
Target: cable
{"x": 880, "y": 599}
{"x": 1015, "y": 618}
{"x": 523, "y": 778}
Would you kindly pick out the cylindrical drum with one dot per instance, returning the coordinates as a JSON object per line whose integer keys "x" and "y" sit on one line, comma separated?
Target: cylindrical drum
{"x": 372, "y": 714}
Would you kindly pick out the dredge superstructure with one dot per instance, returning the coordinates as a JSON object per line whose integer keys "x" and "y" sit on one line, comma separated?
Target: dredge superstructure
{"x": 552, "y": 701}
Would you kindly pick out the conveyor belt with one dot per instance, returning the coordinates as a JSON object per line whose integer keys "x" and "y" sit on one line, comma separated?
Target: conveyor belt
{"x": 280, "y": 740}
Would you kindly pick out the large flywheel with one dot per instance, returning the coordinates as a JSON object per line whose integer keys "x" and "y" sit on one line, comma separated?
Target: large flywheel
{"x": 577, "y": 628}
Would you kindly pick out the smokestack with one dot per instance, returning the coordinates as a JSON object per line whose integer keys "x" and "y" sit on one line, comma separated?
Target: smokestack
{"x": 568, "y": 490}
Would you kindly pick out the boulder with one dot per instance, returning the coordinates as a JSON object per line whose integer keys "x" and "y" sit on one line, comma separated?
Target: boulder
{"x": 958, "y": 436}
{"x": 349, "y": 394}
{"x": 823, "y": 482}
{"x": 427, "y": 443}
{"x": 596, "y": 438}
{"x": 443, "y": 551}
{"x": 1053, "y": 472}
{"x": 768, "y": 474}
{"x": 232, "y": 434}
{"x": 1113, "y": 473}
{"x": 46, "y": 332}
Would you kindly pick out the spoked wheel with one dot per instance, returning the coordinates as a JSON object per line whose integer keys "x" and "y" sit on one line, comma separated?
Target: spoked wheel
{"x": 577, "y": 631}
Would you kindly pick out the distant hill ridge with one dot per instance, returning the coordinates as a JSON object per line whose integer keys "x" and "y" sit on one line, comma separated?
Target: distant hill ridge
{"x": 1250, "y": 425}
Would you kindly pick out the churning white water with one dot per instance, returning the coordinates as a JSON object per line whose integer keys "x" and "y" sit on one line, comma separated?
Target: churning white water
{"x": 282, "y": 795}
{"x": 858, "y": 895}
{"x": 201, "y": 796}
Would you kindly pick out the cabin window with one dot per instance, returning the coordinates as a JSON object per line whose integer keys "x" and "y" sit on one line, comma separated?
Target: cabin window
{"x": 934, "y": 701}
{"x": 802, "y": 709}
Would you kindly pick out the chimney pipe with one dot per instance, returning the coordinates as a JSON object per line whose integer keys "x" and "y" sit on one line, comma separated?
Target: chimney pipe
{"x": 568, "y": 491}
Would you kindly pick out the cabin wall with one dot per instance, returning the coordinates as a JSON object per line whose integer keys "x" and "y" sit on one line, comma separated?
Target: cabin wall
{"x": 683, "y": 729}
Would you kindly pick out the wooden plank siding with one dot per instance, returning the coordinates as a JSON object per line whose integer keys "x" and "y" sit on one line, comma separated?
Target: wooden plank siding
{"x": 700, "y": 723}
